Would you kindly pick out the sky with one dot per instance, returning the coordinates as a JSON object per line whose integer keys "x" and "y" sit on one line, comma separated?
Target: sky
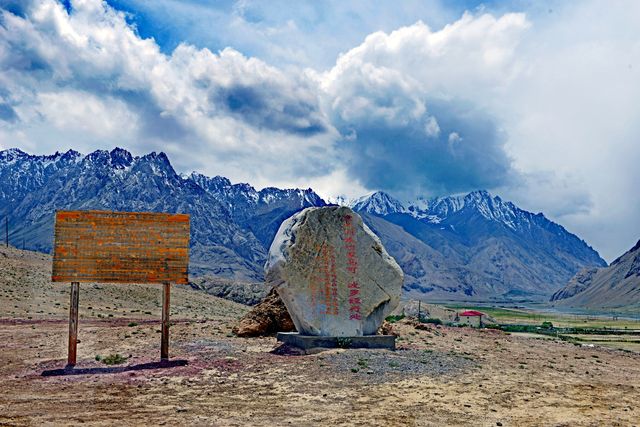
{"x": 535, "y": 101}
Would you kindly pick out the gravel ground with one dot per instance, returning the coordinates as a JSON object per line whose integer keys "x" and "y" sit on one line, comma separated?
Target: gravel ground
{"x": 437, "y": 376}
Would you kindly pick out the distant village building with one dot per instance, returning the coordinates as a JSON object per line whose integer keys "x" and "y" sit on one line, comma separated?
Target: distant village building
{"x": 471, "y": 318}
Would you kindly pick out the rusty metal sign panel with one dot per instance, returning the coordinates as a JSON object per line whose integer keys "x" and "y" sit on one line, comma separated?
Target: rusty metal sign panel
{"x": 121, "y": 247}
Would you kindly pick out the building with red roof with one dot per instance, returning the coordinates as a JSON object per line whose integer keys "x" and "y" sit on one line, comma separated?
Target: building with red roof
{"x": 471, "y": 318}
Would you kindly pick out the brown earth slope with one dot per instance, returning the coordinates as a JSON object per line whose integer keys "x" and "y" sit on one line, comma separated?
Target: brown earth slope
{"x": 438, "y": 376}
{"x": 613, "y": 287}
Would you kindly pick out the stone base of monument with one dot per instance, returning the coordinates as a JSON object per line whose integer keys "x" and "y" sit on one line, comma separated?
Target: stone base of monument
{"x": 310, "y": 342}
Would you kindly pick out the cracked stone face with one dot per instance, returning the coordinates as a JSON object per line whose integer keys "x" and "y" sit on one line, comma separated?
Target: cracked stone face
{"x": 333, "y": 273}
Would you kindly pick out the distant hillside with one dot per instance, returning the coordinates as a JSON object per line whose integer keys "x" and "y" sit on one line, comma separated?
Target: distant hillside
{"x": 475, "y": 247}
{"x": 616, "y": 286}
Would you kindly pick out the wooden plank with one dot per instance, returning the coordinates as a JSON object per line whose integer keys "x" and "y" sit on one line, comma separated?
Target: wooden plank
{"x": 73, "y": 324}
{"x": 164, "y": 344}
{"x": 121, "y": 247}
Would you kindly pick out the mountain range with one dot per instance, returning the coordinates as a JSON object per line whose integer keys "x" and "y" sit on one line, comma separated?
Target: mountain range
{"x": 615, "y": 286}
{"x": 474, "y": 246}
{"x": 223, "y": 243}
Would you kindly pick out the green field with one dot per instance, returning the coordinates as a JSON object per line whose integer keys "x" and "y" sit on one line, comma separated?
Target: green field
{"x": 523, "y": 316}
{"x": 591, "y": 329}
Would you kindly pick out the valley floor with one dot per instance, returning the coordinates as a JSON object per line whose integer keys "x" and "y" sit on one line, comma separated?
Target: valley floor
{"x": 438, "y": 376}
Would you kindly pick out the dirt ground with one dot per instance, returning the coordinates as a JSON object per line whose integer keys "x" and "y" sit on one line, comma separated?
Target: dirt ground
{"x": 438, "y": 376}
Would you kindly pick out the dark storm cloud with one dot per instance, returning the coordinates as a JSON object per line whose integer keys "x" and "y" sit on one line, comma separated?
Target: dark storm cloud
{"x": 269, "y": 107}
{"x": 451, "y": 147}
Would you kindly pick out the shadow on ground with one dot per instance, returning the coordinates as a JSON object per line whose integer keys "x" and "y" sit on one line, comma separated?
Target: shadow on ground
{"x": 114, "y": 369}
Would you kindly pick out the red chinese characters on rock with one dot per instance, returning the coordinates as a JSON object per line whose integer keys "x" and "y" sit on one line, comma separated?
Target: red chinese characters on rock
{"x": 330, "y": 281}
{"x": 324, "y": 283}
{"x": 352, "y": 268}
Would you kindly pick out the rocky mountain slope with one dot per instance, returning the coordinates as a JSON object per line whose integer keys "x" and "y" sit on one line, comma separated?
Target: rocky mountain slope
{"x": 475, "y": 246}
{"x": 32, "y": 188}
{"x": 458, "y": 247}
{"x": 616, "y": 286}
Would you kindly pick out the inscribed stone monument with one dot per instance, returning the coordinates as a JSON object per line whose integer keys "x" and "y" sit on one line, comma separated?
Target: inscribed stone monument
{"x": 332, "y": 273}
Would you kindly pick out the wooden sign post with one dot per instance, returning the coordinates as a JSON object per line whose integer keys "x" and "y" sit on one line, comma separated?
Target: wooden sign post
{"x": 73, "y": 323}
{"x": 164, "y": 343}
{"x": 120, "y": 247}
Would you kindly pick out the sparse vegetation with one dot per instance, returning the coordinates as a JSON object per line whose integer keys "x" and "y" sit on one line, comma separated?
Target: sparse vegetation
{"x": 363, "y": 363}
{"x": 395, "y": 318}
{"x": 343, "y": 342}
{"x": 114, "y": 359}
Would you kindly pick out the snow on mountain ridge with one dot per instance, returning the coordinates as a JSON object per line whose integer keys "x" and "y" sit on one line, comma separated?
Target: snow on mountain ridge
{"x": 378, "y": 203}
{"x": 242, "y": 195}
{"x": 435, "y": 210}
{"x": 233, "y": 224}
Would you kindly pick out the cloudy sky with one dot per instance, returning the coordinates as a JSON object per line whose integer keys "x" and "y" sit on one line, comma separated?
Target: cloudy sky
{"x": 538, "y": 102}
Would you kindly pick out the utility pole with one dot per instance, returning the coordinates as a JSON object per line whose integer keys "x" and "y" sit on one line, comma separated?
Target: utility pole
{"x": 6, "y": 230}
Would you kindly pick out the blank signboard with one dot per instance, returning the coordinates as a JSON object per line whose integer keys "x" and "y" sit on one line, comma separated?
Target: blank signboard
{"x": 121, "y": 247}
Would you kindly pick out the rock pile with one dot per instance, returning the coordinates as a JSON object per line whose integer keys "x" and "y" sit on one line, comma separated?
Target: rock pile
{"x": 268, "y": 317}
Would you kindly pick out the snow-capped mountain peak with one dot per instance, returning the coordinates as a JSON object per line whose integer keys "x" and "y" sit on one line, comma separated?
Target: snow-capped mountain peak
{"x": 378, "y": 203}
{"x": 11, "y": 155}
{"x": 340, "y": 200}
{"x": 437, "y": 210}
{"x": 462, "y": 245}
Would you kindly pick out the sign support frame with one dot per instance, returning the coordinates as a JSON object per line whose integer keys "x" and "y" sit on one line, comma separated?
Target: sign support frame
{"x": 166, "y": 307}
{"x": 73, "y": 324}
{"x": 120, "y": 247}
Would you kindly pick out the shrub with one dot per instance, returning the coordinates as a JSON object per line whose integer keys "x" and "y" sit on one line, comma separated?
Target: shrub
{"x": 363, "y": 363}
{"x": 394, "y": 319}
{"x": 343, "y": 342}
{"x": 114, "y": 359}
{"x": 433, "y": 320}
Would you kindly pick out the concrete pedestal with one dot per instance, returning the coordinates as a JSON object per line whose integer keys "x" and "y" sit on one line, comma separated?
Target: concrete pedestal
{"x": 308, "y": 342}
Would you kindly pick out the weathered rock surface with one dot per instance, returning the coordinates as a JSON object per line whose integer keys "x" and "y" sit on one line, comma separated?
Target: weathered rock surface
{"x": 240, "y": 292}
{"x": 332, "y": 273}
{"x": 268, "y": 317}
{"x": 577, "y": 284}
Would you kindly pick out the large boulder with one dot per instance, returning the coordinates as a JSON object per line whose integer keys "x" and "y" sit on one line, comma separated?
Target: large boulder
{"x": 332, "y": 273}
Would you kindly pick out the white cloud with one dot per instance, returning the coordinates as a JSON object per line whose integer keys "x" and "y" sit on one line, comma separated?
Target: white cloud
{"x": 476, "y": 55}
{"x": 432, "y": 128}
{"x": 571, "y": 116}
{"x": 397, "y": 92}
{"x": 541, "y": 107}
{"x": 89, "y": 73}
{"x": 77, "y": 111}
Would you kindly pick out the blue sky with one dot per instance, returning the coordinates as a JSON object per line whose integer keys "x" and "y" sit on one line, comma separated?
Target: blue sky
{"x": 534, "y": 101}
{"x": 340, "y": 25}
